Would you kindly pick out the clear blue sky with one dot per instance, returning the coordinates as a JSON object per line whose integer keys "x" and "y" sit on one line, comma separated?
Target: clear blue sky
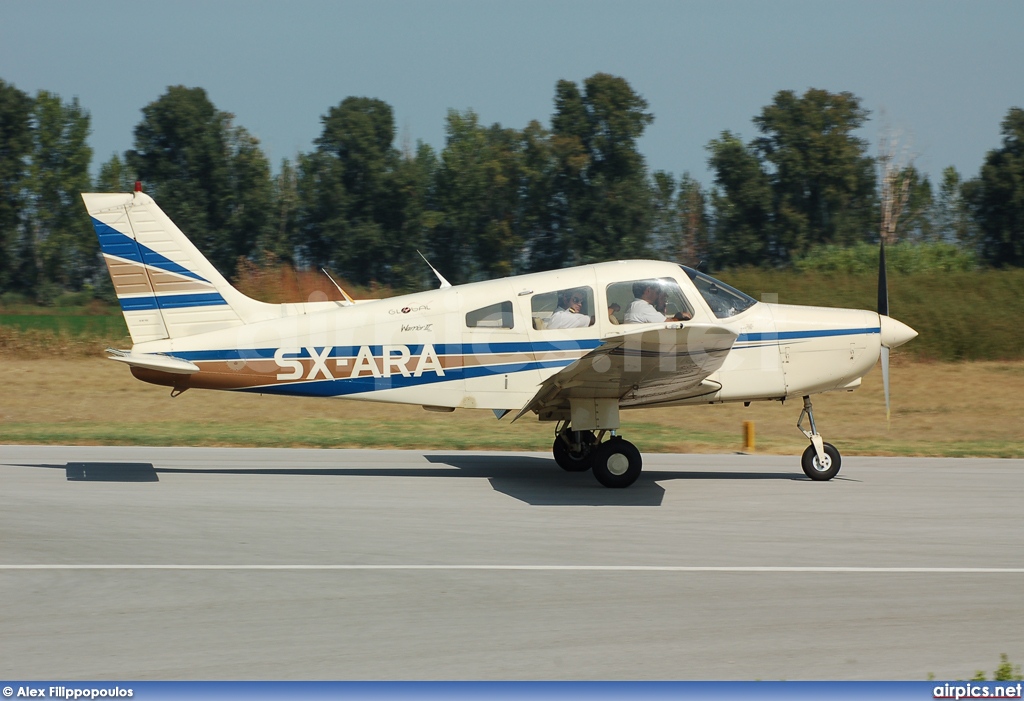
{"x": 943, "y": 73}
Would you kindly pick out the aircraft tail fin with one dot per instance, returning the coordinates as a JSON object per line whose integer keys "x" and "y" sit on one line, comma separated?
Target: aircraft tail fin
{"x": 166, "y": 287}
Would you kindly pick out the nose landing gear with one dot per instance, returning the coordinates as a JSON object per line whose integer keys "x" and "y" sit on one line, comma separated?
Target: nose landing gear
{"x": 820, "y": 461}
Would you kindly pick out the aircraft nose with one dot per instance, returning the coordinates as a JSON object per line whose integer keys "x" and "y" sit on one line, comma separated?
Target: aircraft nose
{"x": 895, "y": 333}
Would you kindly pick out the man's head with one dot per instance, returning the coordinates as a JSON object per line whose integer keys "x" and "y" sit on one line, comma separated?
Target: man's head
{"x": 571, "y": 300}
{"x": 647, "y": 290}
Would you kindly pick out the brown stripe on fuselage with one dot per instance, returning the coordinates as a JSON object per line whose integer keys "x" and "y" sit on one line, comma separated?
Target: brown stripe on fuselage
{"x": 478, "y": 359}
{"x": 243, "y": 374}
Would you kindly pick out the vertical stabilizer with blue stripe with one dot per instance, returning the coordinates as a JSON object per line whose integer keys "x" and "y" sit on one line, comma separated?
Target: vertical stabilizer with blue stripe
{"x": 166, "y": 287}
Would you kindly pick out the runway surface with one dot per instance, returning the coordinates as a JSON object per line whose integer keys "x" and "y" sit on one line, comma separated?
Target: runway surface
{"x": 193, "y": 563}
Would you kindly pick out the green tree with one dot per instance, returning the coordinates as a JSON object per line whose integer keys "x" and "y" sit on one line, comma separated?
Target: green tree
{"x": 664, "y": 218}
{"x": 951, "y": 214}
{"x": 65, "y": 249}
{"x": 997, "y": 196}
{"x": 602, "y": 183}
{"x": 280, "y": 236}
{"x": 478, "y": 190}
{"x": 415, "y": 184}
{"x": 742, "y": 205}
{"x": 114, "y": 176}
{"x": 352, "y": 196}
{"x": 679, "y": 219}
{"x": 823, "y": 182}
{"x": 543, "y": 218}
{"x": 820, "y": 181}
{"x": 15, "y": 148}
{"x": 250, "y": 204}
{"x": 208, "y": 175}
{"x": 322, "y": 224}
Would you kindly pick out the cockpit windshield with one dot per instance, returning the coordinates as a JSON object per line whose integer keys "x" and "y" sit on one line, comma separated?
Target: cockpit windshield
{"x": 725, "y": 301}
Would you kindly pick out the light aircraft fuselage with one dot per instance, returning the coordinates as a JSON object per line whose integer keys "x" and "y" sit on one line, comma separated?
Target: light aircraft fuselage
{"x": 565, "y": 344}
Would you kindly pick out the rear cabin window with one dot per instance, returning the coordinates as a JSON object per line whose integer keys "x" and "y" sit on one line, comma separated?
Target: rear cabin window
{"x": 570, "y": 308}
{"x": 493, "y": 316}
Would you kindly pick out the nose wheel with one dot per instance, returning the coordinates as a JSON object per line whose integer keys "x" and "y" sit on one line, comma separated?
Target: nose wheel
{"x": 821, "y": 470}
{"x": 821, "y": 461}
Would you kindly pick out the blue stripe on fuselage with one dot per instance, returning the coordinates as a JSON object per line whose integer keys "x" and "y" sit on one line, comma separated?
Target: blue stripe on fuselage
{"x": 795, "y": 335}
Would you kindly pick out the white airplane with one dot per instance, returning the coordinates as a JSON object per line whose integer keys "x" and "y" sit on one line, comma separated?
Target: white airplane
{"x": 573, "y": 346}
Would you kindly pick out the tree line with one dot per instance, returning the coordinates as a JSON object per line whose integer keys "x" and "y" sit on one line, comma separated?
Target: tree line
{"x": 495, "y": 200}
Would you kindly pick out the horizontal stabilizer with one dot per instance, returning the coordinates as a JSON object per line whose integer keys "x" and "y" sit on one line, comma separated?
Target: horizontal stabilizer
{"x": 154, "y": 361}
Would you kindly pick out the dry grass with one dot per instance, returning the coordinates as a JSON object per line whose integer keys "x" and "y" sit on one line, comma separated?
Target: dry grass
{"x": 938, "y": 409}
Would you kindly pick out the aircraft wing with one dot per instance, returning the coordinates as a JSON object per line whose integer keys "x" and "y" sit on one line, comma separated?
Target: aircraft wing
{"x": 643, "y": 367}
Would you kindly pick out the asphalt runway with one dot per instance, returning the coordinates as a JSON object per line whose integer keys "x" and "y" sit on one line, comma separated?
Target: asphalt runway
{"x": 194, "y": 563}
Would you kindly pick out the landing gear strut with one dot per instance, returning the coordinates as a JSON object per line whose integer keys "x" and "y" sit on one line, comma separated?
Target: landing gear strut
{"x": 573, "y": 449}
{"x": 820, "y": 461}
{"x": 616, "y": 462}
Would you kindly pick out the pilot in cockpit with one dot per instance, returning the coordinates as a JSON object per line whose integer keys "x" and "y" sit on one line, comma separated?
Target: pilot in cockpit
{"x": 649, "y": 297}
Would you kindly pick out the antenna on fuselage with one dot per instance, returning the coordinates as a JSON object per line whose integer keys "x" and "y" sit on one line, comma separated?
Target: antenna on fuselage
{"x": 348, "y": 300}
{"x": 444, "y": 283}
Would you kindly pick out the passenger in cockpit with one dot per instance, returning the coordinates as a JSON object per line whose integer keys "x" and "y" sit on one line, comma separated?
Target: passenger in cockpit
{"x": 568, "y": 314}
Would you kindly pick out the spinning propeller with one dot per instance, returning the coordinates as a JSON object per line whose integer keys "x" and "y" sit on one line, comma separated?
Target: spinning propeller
{"x": 894, "y": 333}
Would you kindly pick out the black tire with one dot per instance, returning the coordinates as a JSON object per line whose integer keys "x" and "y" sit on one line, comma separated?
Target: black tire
{"x": 616, "y": 463}
{"x": 569, "y": 460}
{"x": 817, "y": 472}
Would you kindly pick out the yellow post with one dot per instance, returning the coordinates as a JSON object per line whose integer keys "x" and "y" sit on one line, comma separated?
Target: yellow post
{"x": 748, "y": 437}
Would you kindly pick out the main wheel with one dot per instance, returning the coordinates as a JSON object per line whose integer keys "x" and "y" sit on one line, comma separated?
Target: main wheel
{"x": 817, "y": 470}
{"x": 569, "y": 459}
{"x": 616, "y": 463}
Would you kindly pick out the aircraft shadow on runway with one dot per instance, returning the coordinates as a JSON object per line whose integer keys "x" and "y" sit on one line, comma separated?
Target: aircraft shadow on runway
{"x": 533, "y": 480}
{"x": 539, "y": 481}
{"x": 106, "y": 471}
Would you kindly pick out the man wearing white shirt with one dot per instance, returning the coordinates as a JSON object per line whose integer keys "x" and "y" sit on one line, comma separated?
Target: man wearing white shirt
{"x": 642, "y": 310}
{"x": 567, "y": 315}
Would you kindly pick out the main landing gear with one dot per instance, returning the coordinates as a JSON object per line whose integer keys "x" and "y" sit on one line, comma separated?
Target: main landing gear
{"x": 616, "y": 462}
{"x": 821, "y": 461}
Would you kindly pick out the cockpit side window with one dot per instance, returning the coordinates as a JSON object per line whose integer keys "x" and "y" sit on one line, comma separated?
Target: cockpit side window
{"x": 725, "y": 301}
{"x": 647, "y": 301}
